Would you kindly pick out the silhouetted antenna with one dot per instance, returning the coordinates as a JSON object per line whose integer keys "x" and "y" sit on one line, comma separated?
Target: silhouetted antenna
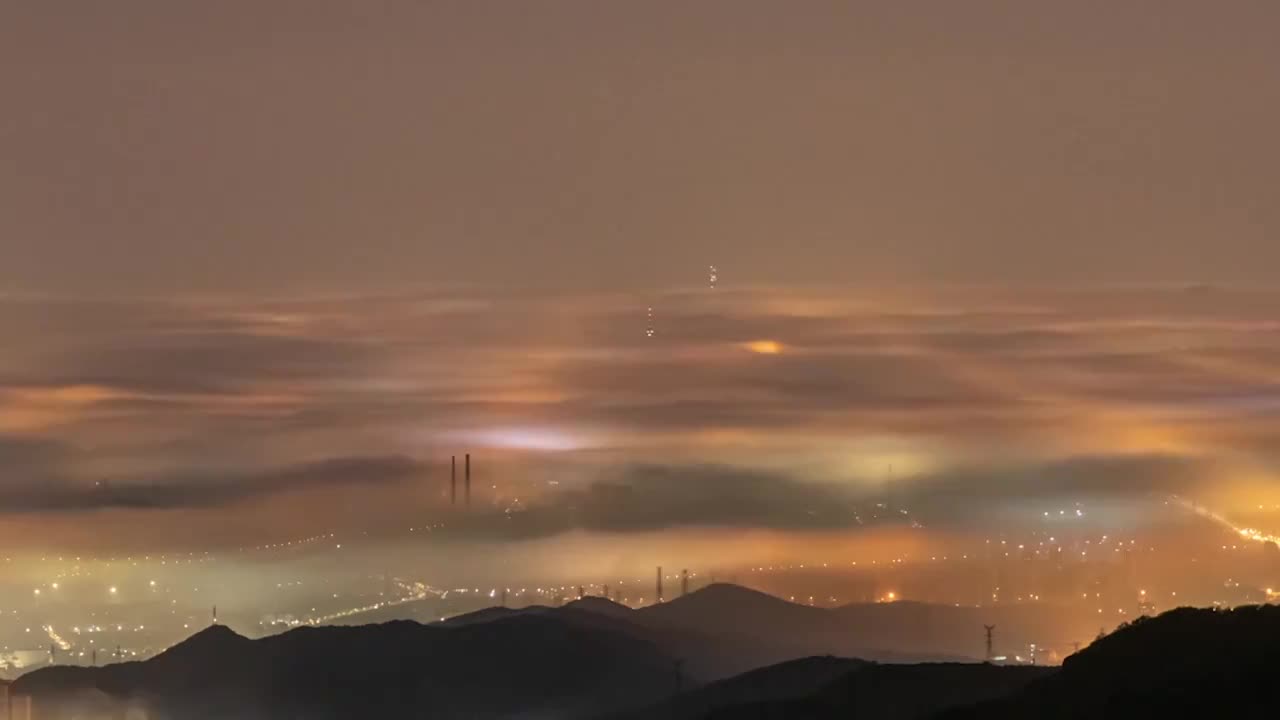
{"x": 684, "y": 582}
{"x": 53, "y": 654}
{"x": 467, "y": 487}
{"x": 93, "y": 658}
{"x": 453, "y": 479}
{"x": 659, "y": 595}
{"x": 215, "y": 614}
{"x": 580, "y": 592}
{"x": 990, "y": 629}
{"x": 119, "y": 656}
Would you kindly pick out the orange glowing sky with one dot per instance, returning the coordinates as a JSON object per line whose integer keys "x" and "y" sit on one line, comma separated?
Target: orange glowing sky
{"x": 265, "y": 266}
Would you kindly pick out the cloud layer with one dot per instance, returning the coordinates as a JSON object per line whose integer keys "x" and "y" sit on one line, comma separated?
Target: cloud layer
{"x": 980, "y": 394}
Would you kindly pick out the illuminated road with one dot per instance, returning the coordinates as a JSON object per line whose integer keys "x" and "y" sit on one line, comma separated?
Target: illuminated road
{"x": 1244, "y": 532}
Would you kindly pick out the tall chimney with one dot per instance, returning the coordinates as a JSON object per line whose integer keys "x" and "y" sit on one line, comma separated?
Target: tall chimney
{"x": 453, "y": 479}
{"x": 468, "y": 479}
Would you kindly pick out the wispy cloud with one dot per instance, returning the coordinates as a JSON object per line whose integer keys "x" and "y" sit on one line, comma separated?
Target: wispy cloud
{"x": 164, "y": 396}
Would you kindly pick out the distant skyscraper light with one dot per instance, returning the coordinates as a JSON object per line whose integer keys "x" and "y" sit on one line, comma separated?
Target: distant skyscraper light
{"x": 712, "y": 276}
{"x": 648, "y": 330}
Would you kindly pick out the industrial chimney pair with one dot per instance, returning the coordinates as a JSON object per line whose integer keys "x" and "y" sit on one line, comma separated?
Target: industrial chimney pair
{"x": 453, "y": 479}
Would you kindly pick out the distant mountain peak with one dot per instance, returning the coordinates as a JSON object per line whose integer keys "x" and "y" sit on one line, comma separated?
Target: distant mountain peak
{"x": 216, "y": 633}
{"x": 728, "y": 593}
{"x": 210, "y": 642}
{"x": 599, "y": 605}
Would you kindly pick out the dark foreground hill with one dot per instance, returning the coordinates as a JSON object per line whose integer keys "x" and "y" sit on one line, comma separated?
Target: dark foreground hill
{"x": 519, "y": 667}
{"x": 596, "y": 659}
{"x": 788, "y": 680}
{"x": 1184, "y": 663}
{"x": 889, "y": 692}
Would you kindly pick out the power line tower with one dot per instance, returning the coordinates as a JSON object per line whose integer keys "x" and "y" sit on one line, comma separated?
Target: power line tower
{"x": 990, "y": 629}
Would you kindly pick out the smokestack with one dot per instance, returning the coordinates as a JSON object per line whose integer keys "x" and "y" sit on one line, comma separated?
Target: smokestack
{"x": 659, "y": 583}
{"x": 453, "y": 479}
{"x": 468, "y": 479}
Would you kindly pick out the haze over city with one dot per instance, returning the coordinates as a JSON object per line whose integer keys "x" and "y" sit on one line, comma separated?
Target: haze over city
{"x": 330, "y": 313}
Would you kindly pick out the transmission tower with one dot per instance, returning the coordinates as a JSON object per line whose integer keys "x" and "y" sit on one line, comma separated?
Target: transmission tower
{"x": 990, "y": 629}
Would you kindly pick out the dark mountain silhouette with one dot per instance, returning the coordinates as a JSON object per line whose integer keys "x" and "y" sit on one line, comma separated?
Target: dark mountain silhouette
{"x": 785, "y": 681}
{"x": 1184, "y": 663}
{"x": 725, "y": 630}
{"x": 594, "y": 658}
{"x": 883, "y": 632}
{"x": 725, "y": 606}
{"x": 892, "y": 692}
{"x": 750, "y": 629}
{"x": 601, "y": 606}
{"x": 526, "y": 666}
{"x": 704, "y": 655}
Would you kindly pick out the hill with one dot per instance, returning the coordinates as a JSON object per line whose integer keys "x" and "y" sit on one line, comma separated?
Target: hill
{"x": 890, "y": 692}
{"x": 883, "y": 632}
{"x": 524, "y": 666}
{"x": 1184, "y": 663}
{"x": 788, "y": 680}
{"x": 705, "y": 655}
